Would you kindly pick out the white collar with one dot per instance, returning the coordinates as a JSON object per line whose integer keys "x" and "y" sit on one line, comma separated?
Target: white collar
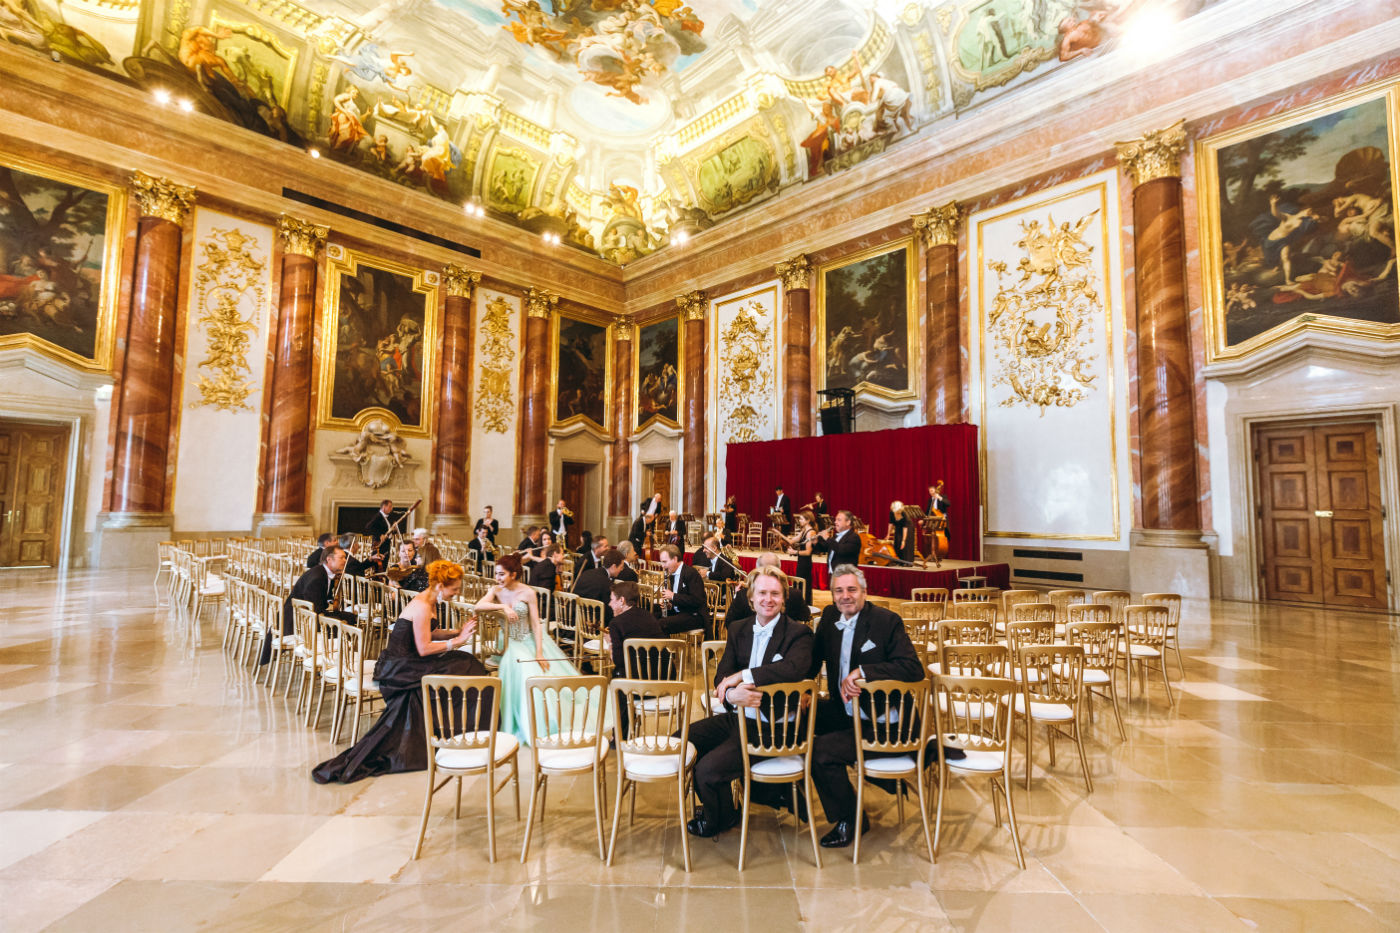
{"x": 759, "y": 626}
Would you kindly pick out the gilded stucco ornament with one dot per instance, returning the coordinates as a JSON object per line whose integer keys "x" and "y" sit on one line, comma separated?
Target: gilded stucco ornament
{"x": 795, "y": 273}
{"x": 459, "y": 281}
{"x": 495, "y": 404}
{"x": 622, "y": 328}
{"x": 692, "y": 305}
{"x": 379, "y": 451}
{"x": 939, "y": 226}
{"x": 1156, "y": 155}
{"x": 540, "y": 302}
{"x": 746, "y": 360}
{"x": 229, "y": 277}
{"x": 161, "y": 197}
{"x": 300, "y": 237}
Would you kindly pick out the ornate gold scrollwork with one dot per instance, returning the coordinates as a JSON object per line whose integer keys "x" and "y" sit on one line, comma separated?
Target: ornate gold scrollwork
{"x": 161, "y": 197}
{"x": 746, "y": 360}
{"x": 459, "y": 281}
{"x": 622, "y": 327}
{"x": 795, "y": 273}
{"x": 495, "y": 405}
{"x": 692, "y": 305}
{"x": 300, "y": 237}
{"x": 939, "y": 226}
{"x": 540, "y": 302}
{"x": 229, "y": 275}
{"x": 1156, "y": 155}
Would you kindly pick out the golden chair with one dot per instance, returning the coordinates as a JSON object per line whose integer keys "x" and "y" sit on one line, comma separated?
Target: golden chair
{"x": 1145, "y": 643}
{"x": 1100, "y": 643}
{"x": 1116, "y": 601}
{"x": 568, "y": 737}
{"x": 1173, "y": 603}
{"x": 777, "y": 747}
{"x": 647, "y": 751}
{"x": 1062, "y": 600}
{"x": 1052, "y": 677}
{"x": 897, "y": 714}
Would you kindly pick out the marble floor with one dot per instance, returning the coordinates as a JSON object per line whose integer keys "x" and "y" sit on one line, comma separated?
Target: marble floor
{"x": 146, "y": 784}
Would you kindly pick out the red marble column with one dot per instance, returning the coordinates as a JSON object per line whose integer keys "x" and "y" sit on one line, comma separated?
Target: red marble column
{"x": 286, "y": 463}
{"x": 620, "y": 497}
{"x": 144, "y": 397}
{"x": 693, "y": 307}
{"x": 795, "y": 274}
{"x": 1166, "y": 396}
{"x": 448, "y": 494}
{"x": 534, "y": 404}
{"x": 943, "y": 395}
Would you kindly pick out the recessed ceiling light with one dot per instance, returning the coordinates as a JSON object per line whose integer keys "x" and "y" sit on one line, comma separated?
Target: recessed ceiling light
{"x": 315, "y": 153}
{"x": 161, "y": 95}
{"x": 187, "y": 105}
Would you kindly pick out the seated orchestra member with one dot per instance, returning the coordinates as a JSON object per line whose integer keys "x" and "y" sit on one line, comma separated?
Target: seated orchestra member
{"x": 686, "y": 592}
{"x": 592, "y": 560}
{"x": 794, "y": 606}
{"x": 585, "y": 549}
{"x": 316, "y": 586}
{"x": 840, "y": 542}
{"x": 427, "y": 551}
{"x": 355, "y": 567}
{"x": 626, "y": 619}
{"x": 314, "y": 558}
{"x": 857, "y": 641}
{"x": 544, "y": 572}
{"x": 407, "y": 573}
{"x": 482, "y": 544}
{"x": 766, "y": 648}
{"x": 596, "y": 582}
{"x": 713, "y": 565}
{"x": 559, "y": 521}
{"x": 937, "y": 501}
{"x": 731, "y": 519}
{"x": 529, "y": 546}
{"x": 628, "y": 571}
{"x": 488, "y": 522}
{"x": 675, "y": 530}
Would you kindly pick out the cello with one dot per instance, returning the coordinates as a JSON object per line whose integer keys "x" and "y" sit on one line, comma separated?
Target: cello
{"x": 877, "y": 551}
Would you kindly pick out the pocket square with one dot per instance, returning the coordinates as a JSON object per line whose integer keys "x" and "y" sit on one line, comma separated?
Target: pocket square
{"x": 868, "y": 645}
{"x": 777, "y": 657}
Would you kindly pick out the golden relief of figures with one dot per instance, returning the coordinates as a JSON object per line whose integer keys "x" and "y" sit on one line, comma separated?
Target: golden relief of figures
{"x": 228, "y": 278}
{"x": 746, "y": 360}
{"x": 495, "y": 402}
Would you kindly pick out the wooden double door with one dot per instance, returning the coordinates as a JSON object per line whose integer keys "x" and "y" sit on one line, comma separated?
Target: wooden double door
{"x": 1321, "y": 523}
{"x": 32, "y": 471}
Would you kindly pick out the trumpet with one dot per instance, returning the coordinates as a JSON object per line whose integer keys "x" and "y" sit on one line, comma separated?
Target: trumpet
{"x": 567, "y": 511}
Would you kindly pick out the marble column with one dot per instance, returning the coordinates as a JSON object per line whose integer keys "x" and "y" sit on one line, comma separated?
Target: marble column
{"x": 693, "y": 306}
{"x": 452, "y": 450}
{"x": 1167, "y": 552}
{"x": 620, "y": 495}
{"x": 137, "y": 520}
{"x": 796, "y": 275}
{"x": 286, "y": 461}
{"x": 533, "y": 489}
{"x": 938, "y": 228}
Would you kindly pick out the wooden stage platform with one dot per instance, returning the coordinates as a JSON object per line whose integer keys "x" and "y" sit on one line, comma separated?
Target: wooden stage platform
{"x": 896, "y": 582}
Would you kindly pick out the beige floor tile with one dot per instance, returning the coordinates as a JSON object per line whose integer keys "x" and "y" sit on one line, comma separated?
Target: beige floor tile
{"x": 1339, "y": 860}
{"x": 985, "y": 911}
{"x": 349, "y": 848}
{"x": 112, "y": 847}
{"x": 107, "y": 788}
{"x": 1087, "y": 859}
{"x": 861, "y": 910}
{"x": 1266, "y": 915}
{"x": 1151, "y": 913}
{"x": 32, "y": 904}
{"x": 24, "y": 832}
{"x": 1225, "y": 863}
{"x": 242, "y": 847}
{"x": 149, "y": 907}
{"x": 691, "y": 908}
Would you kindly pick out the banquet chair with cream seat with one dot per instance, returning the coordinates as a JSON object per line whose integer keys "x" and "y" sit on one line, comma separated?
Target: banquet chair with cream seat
{"x": 710, "y": 653}
{"x": 462, "y": 716}
{"x": 1062, "y": 600}
{"x": 1115, "y": 600}
{"x": 974, "y": 659}
{"x": 1100, "y": 643}
{"x": 974, "y": 714}
{"x": 355, "y": 683}
{"x": 1013, "y": 598}
{"x": 589, "y": 638}
{"x": 564, "y": 628}
{"x": 283, "y": 646}
{"x": 647, "y": 750}
{"x": 326, "y": 662}
{"x": 1051, "y": 679}
{"x": 1144, "y": 645}
{"x": 777, "y": 749}
{"x": 928, "y": 594}
{"x": 897, "y": 715}
{"x": 974, "y": 594}
{"x": 984, "y": 612}
{"x": 1030, "y": 612}
{"x": 165, "y": 565}
{"x": 569, "y": 739}
{"x": 957, "y": 632}
{"x": 303, "y": 663}
{"x": 1173, "y": 603}
{"x": 1021, "y": 634}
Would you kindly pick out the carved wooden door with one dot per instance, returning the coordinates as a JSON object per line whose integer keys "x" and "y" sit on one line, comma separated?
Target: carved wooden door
{"x": 1320, "y": 515}
{"x": 574, "y": 491}
{"x": 661, "y": 482}
{"x": 31, "y": 493}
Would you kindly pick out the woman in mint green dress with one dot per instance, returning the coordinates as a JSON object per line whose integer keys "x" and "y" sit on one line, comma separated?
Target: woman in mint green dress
{"x": 527, "y": 652}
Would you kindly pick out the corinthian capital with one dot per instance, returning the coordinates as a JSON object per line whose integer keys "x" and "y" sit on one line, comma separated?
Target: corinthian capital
{"x": 459, "y": 281}
{"x": 795, "y": 273}
{"x": 1156, "y": 155}
{"x": 540, "y": 302}
{"x": 161, "y": 197}
{"x": 300, "y": 237}
{"x": 939, "y": 226}
{"x": 692, "y": 305}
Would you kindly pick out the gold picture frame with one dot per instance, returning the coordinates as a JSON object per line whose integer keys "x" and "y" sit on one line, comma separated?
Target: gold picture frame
{"x": 911, "y": 349}
{"x": 347, "y": 404}
{"x": 107, "y": 279}
{"x": 557, "y": 386}
{"x": 639, "y": 339}
{"x": 1228, "y": 339}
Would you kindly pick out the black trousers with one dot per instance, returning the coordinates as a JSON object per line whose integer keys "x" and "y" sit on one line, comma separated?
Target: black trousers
{"x": 719, "y": 762}
{"x": 681, "y": 622}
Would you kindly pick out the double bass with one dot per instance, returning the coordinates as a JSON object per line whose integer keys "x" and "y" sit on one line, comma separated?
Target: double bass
{"x": 876, "y": 551}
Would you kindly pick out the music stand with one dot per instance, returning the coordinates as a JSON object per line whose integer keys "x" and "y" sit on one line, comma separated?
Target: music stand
{"x": 916, "y": 517}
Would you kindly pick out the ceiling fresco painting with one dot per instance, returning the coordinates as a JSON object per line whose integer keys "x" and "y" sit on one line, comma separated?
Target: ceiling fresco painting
{"x": 615, "y": 126}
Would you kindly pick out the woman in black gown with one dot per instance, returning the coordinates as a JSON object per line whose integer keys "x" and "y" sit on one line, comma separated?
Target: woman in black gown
{"x": 902, "y": 527}
{"x": 801, "y": 545}
{"x": 731, "y": 520}
{"x": 398, "y": 741}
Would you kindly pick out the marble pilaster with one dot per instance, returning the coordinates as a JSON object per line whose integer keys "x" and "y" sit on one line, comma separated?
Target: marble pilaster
{"x": 533, "y": 491}
{"x": 693, "y": 306}
{"x": 938, "y": 228}
{"x": 452, "y": 449}
{"x": 796, "y": 274}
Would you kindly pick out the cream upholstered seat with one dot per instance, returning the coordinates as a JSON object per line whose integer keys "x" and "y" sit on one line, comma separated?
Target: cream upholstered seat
{"x": 777, "y": 749}
{"x": 1052, "y": 685}
{"x": 566, "y": 722}
{"x": 475, "y": 758}
{"x": 652, "y": 746}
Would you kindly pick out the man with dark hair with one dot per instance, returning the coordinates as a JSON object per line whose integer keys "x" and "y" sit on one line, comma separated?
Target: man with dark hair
{"x": 714, "y": 565}
{"x": 544, "y": 572}
{"x": 685, "y": 591}
{"x": 528, "y": 548}
{"x": 627, "y": 620}
{"x": 315, "y": 586}
{"x": 314, "y": 558}
{"x": 379, "y": 525}
{"x": 353, "y": 565}
{"x": 840, "y": 542}
{"x": 782, "y": 504}
{"x": 596, "y": 582}
{"x": 559, "y": 521}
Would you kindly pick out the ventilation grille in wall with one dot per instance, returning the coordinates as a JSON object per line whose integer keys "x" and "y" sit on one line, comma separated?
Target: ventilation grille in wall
{"x": 292, "y": 194}
{"x": 1061, "y": 576}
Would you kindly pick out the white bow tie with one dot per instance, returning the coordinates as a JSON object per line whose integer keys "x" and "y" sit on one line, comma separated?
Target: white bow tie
{"x": 845, "y": 625}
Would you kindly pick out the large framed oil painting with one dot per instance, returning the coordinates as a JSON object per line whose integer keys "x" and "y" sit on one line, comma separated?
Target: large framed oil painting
{"x": 60, "y": 259}
{"x": 1298, "y": 225}
{"x": 865, "y": 328}
{"x": 380, "y": 323}
{"x": 580, "y": 371}
{"x": 657, "y": 381}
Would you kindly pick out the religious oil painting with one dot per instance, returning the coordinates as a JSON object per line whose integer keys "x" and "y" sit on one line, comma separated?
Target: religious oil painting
{"x": 864, "y": 321}
{"x": 580, "y": 371}
{"x": 60, "y": 238}
{"x": 658, "y": 372}
{"x": 380, "y": 327}
{"x": 1300, "y": 225}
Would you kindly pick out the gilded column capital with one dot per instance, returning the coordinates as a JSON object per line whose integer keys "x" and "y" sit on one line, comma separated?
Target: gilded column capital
{"x": 540, "y": 302}
{"x": 301, "y": 237}
{"x": 459, "y": 281}
{"x": 940, "y": 226}
{"x": 622, "y": 327}
{"x": 795, "y": 273}
{"x": 161, "y": 197}
{"x": 1156, "y": 155}
{"x": 693, "y": 305}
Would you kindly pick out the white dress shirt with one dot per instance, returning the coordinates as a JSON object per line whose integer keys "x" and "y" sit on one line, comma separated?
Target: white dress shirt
{"x": 847, "y": 625}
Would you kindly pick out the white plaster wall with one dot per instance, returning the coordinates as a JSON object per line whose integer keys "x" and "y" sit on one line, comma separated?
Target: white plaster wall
{"x": 656, "y": 443}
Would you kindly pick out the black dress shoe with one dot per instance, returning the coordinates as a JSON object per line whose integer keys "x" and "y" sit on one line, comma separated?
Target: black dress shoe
{"x": 707, "y": 829}
{"x": 844, "y": 833}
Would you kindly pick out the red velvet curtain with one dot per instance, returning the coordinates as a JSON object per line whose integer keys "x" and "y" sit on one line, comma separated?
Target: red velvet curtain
{"x": 865, "y": 472}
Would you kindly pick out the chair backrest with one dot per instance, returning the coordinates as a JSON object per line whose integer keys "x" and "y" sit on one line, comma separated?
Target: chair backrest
{"x": 1099, "y": 641}
{"x": 543, "y": 598}
{"x": 566, "y": 712}
{"x": 461, "y": 712}
{"x": 1115, "y": 600}
{"x": 350, "y": 652}
{"x": 963, "y": 632}
{"x": 975, "y": 659}
{"x": 780, "y": 729}
{"x": 974, "y": 713}
{"x": 304, "y": 623}
{"x": 1052, "y": 673}
{"x": 1093, "y": 612}
{"x": 929, "y": 594}
{"x": 566, "y": 614}
{"x": 974, "y": 594}
{"x": 646, "y": 596}
{"x": 714, "y": 596}
{"x": 921, "y": 611}
{"x": 896, "y": 714}
{"x": 328, "y": 643}
{"x": 710, "y": 653}
{"x": 1032, "y": 612}
{"x": 1021, "y": 634}
{"x": 977, "y": 611}
{"x": 654, "y": 658}
{"x": 1173, "y": 603}
{"x": 1063, "y": 599}
{"x": 650, "y": 717}
{"x": 1011, "y": 598}
{"x": 1146, "y": 625}
{"x": 589, "y": 621}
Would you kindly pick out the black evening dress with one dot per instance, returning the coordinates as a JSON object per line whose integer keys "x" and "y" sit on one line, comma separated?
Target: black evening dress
{"x": 804, "y": 563}
{"x": 903, "y": 537}
{"x": 398, "y": 740}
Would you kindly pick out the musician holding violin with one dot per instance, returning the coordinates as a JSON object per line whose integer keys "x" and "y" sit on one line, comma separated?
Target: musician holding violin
{"x": 406, "y": 574}
{"x": 801, "y": 545}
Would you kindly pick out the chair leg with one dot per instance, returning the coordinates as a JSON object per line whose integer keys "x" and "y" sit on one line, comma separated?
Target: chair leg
{"x": 617, "y": 813}
{"x": 899, "y": 787}
{"x": 1083, "y": 757}
{"x": 923, "y": 817}
{"x": 811, "y": 820}
{"x": 1162, "y": 663}
{"x": 490, "y": 811}
{"x": 1176, "y": 650}
{"x": 1030, "y": 736}
{"x": 599, "y": 794}
{"x": 860, "y": 811}
{"x": 427, "y": 805}
{"x": 743, "y": 821}
{"x": 1011, "y": 820}
{"x": 680, "y": 810}
{"x": 1113, "y": 695}
{"x": 536, "y": 778}
{"x": 938, "y": 810}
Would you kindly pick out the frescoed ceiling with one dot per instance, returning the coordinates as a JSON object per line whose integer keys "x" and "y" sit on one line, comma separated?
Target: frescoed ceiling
{"x": 616, "y": 126}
